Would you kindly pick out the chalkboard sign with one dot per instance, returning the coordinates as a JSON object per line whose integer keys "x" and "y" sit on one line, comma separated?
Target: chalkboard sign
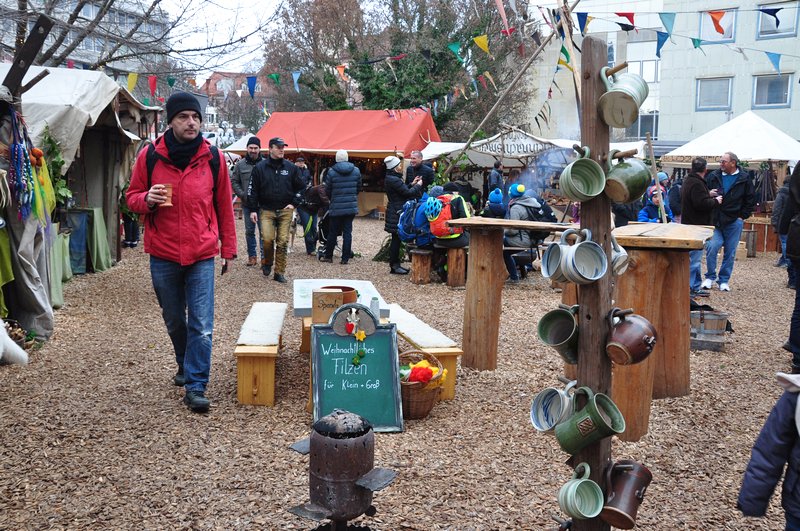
{"x": 354, "y": 367}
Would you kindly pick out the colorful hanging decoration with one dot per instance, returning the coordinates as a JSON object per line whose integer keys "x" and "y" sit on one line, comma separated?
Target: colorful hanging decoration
{"x": 628, "y": 16}
{"x": 152, "y": 82}
{"x": 716, "y": 18}
{"x": 507, "y": 31}
{"x": 625, "y": 27}
{"x": 475, "y": 87}
{"x": 775, "y": 59}
{"x": 171, "y": 81}
{"x": 276, "y": 78}
{"x": 773, "y": 12}
{"x": 583, "y": 22}
{"x": 20, "y": 173}
{"x": 132, "y": 79}
{"x": 491, "y": 79}
{"x": 482, "y": 79}
{"x": 251, "y": 86}
{"x": 455, "y": 47}
{"x": 697, "y": 43}
{"x": 668, "y": 21}
{"x": 483, "y": 43}
{"x": 70, "y": 63}
{"x": 295, "y": 77}
{"x": 661, "y": 38}
{"x": 399, "y": 57}
{"x": 394, "y": 74}
{"x": 341, "y": 69}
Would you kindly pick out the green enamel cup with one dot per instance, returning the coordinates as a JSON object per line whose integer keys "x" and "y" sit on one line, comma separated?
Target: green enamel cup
{"x": 582, "y": 179}
{"x": 599, "y": 418}
{"x": 625, "y": 93}
{"x": 580, "y": 497}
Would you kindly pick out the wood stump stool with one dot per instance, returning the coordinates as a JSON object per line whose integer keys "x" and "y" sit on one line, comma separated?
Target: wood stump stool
{"x": 421, "y": 261}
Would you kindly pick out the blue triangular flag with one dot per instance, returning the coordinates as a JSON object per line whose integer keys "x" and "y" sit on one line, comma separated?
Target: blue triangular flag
{"x": 436, "y": 107}
{"x": 661, "y": 39}
{"x": 475, "y": 86}
{"x": 582, "y": 22}
{"x": 773, "y": 12}
{"x": 668, "y": 20}
{"x": 295, "y": 77}
{"x": 251, "y": 85}
{"x": 775, "y": 58}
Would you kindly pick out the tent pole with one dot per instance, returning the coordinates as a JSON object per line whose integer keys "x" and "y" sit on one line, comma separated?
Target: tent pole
{"x": 505, "y": 93}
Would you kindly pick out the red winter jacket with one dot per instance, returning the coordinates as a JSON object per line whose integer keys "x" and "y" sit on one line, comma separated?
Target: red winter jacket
{"x": 190, "y": 230}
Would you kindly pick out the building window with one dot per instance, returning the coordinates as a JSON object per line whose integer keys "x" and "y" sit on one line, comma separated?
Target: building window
{"x": 786, "y": 24}
{"x": 714, "y": 94}
{"x": 771, "y": 91}
{"x": 708, "y": 30}
{"x": 647, "y": 123}
{"x": 649, "y": 70}
{"x": 611, "y": 56}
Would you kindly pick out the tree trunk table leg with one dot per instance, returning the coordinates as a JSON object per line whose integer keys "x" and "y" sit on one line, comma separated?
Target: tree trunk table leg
{"x": 483, "y": 299}
{"x": 672, "y": 372}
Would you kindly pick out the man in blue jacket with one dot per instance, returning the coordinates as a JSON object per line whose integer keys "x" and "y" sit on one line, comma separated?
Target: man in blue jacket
{"x": 342, "y": 186}
{"x": 738, "y": 200}
{"x": 418, "y": 168}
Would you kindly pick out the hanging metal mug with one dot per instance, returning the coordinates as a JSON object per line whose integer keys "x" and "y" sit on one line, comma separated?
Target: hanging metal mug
{"x": 580, "y": 497}
{"x": 619, "y": 257}
{"x": 551, "y": 406}
{"x": 631, "y": 337}
{"x": 584, "y": 262}
{"x": 619, "y": 106}
{"x": 599, "y": 418}
{"x": 584, "y": 178}
{"x": 627, "y": 180}
{"x": 559, "y": 329}
{"x": 551, "y": 259}
{"x": 626, "y": 483}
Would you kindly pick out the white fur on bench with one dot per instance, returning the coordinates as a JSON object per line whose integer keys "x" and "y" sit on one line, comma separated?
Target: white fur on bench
{"x": 424, "y": 335}
{"x": 263, "y": 324}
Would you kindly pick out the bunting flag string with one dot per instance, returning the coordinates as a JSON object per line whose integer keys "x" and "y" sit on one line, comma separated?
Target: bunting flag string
{"x": 482, "y": 79}
{"x": 716, "y": 17}
{"x": 625, "y": 27}
{"x": 171, "y": 81}
{"x": 389, "y": 63}
{"x": 475, "y": 86}
{"x": 507, "y": 31}
{"x": 295, "y": 77}
{"x": 661, "y": 38}
{"x": 482, "y": 41}
{"x": 491, "y": 79}
{"x": 399, "y": 57}
{"x": 152, "y": 82}
{"x": 583, "y": 22}
{"x": 251, "y": 87}
{"x": 628, "y": 16}
{"x": 739, "y": 50}
{"x": 697, "y": 43}
{"x": 775, "y": 59}
{"x": 668, "y": 21}
{"x": 276, "y": 78}
{"x": 455, "y": 47}
{"x": 132, "y": 79}
{"x": 773, "y": 12}
{"x": 341, "y": 69}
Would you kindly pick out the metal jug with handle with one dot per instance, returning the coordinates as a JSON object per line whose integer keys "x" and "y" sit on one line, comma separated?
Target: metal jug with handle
{"x": 627, "y": 180}
{"x": 625, "y": 93}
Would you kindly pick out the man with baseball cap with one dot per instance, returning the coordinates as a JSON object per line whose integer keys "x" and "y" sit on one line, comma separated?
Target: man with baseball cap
{"x": 275, "y": 190}
{"x": 183, "y": 235}
{"x": 240, "y": 181}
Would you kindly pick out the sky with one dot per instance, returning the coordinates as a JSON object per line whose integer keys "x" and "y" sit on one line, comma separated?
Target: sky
{"x": 217, "y": 22}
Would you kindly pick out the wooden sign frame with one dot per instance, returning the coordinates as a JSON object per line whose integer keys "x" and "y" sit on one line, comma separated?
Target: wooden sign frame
{"x": 371, "y": 388}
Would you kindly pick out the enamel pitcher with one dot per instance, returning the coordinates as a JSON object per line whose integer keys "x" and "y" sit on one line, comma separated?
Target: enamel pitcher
{"x": 625, "y": 93}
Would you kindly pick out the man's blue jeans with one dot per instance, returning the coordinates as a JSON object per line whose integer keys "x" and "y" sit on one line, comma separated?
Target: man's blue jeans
{"x": 309, "y": 226}
{"x": 186, "y": 297}
{"x": 250, "y": 232}
{"x": 727, "y": 237}
{"x": 783, "y": 259}
{"x": 340, "y": 225}
{"x": 695, "y": 269}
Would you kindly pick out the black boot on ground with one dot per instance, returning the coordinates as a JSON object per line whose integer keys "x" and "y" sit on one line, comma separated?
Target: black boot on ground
{"x": 397, "y": 269}
{"x": 179, "y": 379}
{"x": 197, "y": 401}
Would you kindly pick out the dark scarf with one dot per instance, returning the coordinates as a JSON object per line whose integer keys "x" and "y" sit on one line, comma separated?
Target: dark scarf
{"x": 181, "y": 154}
{"x": 252, "y": 162}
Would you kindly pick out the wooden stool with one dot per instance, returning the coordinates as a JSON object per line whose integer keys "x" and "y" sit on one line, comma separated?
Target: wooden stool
{"x": 421, "y": 260}
{"x": 457, "y": 267}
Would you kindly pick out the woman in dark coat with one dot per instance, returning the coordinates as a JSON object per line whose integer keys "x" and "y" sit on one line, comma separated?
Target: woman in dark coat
{"x": 791, "y": 228}
{"x": 397, "y": 193}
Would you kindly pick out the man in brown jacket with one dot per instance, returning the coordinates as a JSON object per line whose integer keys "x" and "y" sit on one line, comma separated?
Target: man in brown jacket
{"x": 697, "y": 203}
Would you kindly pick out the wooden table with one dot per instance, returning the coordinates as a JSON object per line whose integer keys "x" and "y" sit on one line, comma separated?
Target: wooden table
{"x": 486, "y": 273}
{"x": 656, "y": 286}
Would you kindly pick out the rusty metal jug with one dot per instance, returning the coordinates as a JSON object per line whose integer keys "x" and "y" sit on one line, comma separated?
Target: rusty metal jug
{"x": 631, "y": 337}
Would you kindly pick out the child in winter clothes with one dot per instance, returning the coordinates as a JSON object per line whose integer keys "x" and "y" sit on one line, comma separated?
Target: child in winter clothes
{"x": 775, "y": 449}
{"x": 649, "y": 213}
{"x": 494, "y": 208}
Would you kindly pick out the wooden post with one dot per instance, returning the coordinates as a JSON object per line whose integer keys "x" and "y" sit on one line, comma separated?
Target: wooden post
{"x": 594, "y": 367}
{"x": 486, "y": 257}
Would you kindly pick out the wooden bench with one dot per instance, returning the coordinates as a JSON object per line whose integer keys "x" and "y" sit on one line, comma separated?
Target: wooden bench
{"x": 258, "y": 345}
{"x": 424, "y": 337}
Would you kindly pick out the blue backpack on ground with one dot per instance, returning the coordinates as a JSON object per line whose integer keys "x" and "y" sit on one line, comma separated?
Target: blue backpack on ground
{"x": 407, "y": 229}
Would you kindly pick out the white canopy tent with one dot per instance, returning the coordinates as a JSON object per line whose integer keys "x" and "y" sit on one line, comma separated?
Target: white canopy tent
{"x": 515, "y": 149}
{"x": 749, "y": 136}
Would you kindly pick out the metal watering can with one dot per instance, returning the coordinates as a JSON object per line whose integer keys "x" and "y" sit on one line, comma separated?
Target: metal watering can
{"x": 625, "y": 93}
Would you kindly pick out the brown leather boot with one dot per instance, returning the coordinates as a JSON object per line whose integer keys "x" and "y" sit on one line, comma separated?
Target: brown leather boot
{"x": 252, "y": 261}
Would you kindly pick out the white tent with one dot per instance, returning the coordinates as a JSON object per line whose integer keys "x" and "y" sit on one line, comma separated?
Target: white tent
{"x": 514, "y": 148}
{"x": 748, "y": 135}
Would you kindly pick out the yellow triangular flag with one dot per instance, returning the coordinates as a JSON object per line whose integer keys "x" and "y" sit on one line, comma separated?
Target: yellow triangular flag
{"x": 132, "y": 79}
{"x": 483, "y": 42}
{"x": 564, "y": 63}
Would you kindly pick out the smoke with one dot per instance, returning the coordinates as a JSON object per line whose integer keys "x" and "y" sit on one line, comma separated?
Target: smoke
{"x": 543, "y": 171}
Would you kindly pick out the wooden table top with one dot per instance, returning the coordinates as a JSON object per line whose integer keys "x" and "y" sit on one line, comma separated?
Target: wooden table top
{"x": 673, "y": 236}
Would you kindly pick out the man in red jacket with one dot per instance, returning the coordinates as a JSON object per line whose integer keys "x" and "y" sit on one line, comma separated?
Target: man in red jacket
{"x": 188, "y": 212}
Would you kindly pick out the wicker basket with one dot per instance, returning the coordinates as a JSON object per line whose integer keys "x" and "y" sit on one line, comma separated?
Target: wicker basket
{"x": 419, "y": 398}
{"x": 10, "y": 324}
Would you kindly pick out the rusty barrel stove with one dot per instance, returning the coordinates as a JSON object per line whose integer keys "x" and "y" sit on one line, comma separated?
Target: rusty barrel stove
{"x": 342, "y": 477}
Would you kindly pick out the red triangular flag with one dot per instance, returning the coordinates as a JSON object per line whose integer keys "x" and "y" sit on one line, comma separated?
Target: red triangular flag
{"x": 152, "y": 81}
{"x": 629, "y": 16}
{"x": 716, "y": 17}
